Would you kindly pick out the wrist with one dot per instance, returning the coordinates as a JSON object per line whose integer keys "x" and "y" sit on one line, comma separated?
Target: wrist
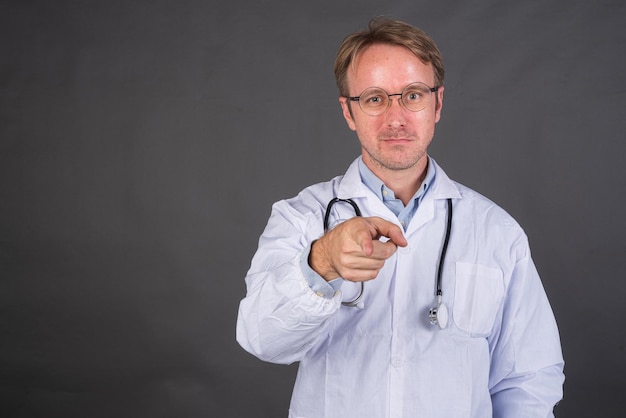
{"x": 319, "y": 262}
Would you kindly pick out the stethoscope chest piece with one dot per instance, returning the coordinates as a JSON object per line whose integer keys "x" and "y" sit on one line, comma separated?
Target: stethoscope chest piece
{"x": 439, "y": 315}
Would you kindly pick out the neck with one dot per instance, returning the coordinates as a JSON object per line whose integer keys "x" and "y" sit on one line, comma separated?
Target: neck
{"x": 403, "y": 182}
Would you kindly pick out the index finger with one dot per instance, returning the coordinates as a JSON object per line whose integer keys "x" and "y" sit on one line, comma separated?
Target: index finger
{"x": 387, "y": 229}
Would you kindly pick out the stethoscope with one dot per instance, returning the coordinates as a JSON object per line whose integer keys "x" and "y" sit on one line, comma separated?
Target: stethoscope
{"x": 437, "y": 315}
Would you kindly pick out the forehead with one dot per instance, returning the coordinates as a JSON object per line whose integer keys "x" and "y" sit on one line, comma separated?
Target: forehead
{"x": 390, "y": 67}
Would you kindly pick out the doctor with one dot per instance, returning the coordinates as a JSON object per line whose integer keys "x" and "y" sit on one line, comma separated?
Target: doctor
{"x": 498, "y": 353}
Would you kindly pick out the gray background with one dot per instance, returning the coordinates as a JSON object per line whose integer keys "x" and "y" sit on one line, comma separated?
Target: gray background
{"x": 143, "y": 142}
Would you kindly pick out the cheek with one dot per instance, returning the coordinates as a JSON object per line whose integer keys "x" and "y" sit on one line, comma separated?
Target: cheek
{"x": 366, "y": 129}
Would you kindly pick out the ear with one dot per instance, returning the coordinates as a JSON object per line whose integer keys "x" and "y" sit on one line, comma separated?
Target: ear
{"x": 347, "y": 113}
{"x": 439, "y": 104}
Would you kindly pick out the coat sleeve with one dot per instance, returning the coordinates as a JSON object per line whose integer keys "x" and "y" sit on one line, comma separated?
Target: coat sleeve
{"x": 526, "y": 378}
{"x": 281, "y": 318}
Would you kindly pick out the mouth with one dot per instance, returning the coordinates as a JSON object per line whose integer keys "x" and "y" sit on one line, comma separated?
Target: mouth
{"x": 396, "y": 137}
{"x": 396, "y": 140}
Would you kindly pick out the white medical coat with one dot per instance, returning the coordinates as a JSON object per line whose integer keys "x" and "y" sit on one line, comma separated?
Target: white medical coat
{"x": 499, "y": 356}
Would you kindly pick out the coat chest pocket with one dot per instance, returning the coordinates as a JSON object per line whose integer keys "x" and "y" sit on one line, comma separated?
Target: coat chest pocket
{"x": 477, "y": 297}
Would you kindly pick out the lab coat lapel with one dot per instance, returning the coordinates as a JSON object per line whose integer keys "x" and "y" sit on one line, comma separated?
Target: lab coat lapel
{"x": 441, "y": 189}
{"x": 351, "y": 186}
{"x": 425, "y": 213}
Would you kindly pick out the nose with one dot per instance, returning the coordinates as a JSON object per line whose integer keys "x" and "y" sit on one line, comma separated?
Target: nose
{"x": 396, "y": 113}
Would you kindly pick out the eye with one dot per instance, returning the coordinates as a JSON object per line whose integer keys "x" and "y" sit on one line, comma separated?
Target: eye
{"x": 374, "y": 99}
{"x": 413, "y": 95}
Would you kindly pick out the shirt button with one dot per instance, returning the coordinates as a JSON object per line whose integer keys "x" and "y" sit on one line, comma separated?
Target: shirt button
{"x": 396, "y": 362}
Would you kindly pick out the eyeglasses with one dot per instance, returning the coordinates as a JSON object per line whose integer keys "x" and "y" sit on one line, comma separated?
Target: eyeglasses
{"x": 375, "y": 101}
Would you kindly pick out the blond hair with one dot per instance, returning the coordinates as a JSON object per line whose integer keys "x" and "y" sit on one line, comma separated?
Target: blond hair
{"x": 383, "y": 30}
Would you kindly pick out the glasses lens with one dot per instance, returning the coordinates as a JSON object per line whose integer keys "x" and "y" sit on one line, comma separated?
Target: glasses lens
{"x": 374, "y": 101}
{"x": 416, "y": 96}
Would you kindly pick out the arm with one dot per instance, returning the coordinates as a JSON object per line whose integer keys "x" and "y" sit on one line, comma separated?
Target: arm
{"x": 281, "y": 318}
{"x": 526, "y": 378}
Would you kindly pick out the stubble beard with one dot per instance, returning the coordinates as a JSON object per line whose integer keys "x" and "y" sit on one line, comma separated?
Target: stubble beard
{"x": 396, "y": 158}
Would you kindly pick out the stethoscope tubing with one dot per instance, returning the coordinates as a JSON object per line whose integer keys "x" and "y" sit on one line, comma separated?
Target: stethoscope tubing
{"x": 356, "y": 302}
{"x": 444, "y": 250}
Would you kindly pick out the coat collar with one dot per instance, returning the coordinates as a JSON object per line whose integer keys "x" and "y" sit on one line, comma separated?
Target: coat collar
{"x": 351, "y": 185}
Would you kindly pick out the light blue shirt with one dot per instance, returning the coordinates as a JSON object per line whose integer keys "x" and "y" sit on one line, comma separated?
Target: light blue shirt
{"x": 384, "y": 193}
{"x": 404, "y": 213}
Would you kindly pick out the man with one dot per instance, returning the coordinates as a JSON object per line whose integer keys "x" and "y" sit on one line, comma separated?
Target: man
{"x": 453, "y": 320}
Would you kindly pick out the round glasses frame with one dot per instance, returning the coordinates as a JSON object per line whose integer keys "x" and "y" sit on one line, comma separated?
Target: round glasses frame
{"x": 375, "y": 101}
